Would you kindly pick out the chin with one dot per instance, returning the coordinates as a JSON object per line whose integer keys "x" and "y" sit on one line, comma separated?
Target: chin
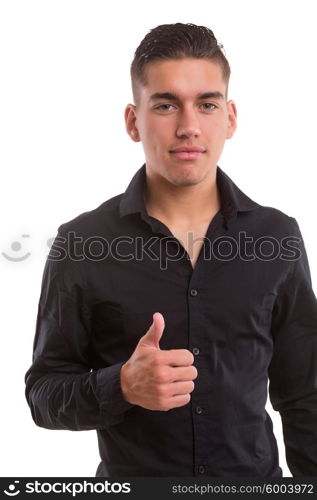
{"x": 187, "y": 177}
{"x": 185, "y": 180}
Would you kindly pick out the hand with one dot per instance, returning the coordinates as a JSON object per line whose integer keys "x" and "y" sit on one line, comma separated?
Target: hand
{"x": 156, "y": 379}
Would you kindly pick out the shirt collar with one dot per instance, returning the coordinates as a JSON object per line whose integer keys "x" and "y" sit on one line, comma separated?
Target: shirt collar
{"x": 233, "y": 200}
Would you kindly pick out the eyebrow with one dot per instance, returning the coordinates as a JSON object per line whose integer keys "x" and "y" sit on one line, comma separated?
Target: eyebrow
{"x": 174, "y": 97}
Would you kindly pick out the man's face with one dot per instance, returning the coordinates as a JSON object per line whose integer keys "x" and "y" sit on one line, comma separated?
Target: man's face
{"x": 183, "y": 106}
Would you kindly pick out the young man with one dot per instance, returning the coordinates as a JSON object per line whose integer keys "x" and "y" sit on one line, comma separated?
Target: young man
{"x": 165, "y": 312}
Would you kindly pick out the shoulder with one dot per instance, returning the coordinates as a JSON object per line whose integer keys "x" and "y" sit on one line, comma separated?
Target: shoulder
{"x": 271, "y": 219}
{"x": 99, "y": 219}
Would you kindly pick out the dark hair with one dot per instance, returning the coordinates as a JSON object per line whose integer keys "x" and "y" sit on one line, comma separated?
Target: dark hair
{"x": 176, "y": 41}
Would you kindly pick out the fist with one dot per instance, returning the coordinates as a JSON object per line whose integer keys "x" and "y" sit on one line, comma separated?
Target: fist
{"x": 158, "y": 379}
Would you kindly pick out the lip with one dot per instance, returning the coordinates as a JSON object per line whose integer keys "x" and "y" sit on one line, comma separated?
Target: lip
{"x": 188, "y": 152}
{"x": 188, "y": 149}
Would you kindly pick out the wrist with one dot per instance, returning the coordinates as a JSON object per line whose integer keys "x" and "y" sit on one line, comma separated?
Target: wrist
{"x": 123, "y": 382}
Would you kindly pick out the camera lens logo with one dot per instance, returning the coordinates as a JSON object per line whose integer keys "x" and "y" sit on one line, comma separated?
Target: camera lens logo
{"x": 16, "y": 246}
{"x": 12, "y": 490}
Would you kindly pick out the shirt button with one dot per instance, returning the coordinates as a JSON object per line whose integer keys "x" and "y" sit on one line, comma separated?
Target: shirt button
{"x": 193, "y": 292}
{"x": 199, "y": 410}
{"x": 201, "y": 469}
{"x": 196, "y": 350}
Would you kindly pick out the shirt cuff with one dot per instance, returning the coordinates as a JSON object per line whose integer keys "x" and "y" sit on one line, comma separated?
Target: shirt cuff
{"x": 109, "y": 392}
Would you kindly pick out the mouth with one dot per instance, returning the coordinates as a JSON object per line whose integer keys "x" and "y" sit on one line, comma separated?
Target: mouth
{"x": 188, "y": 153}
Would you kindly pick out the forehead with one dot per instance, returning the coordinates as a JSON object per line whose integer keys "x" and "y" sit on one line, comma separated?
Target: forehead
{"x": 183, "y": 76}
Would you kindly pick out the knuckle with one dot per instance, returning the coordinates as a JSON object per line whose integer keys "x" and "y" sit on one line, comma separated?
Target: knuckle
{"x": 161, "y": 375}
{"x": 160, "y": 391}
{"x": 187, "y": 398}
{"x": 189, "y": 357}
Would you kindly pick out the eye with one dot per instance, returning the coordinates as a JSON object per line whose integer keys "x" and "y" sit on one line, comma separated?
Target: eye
{"x": 163, "y": 107}
{"x": 212, "y": 106}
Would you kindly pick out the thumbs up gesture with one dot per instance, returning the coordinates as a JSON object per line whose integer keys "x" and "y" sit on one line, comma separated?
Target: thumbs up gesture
{"x": 156, "y": 379}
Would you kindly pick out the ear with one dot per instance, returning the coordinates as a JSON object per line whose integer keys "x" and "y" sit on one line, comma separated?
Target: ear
{"x": 232, "y": 119}
{"x": 130, "y": 122}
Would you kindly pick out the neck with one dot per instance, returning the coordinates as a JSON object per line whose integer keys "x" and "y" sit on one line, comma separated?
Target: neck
{"x": 186, "y": 205}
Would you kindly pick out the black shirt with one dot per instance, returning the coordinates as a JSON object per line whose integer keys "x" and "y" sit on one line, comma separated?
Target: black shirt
{"x": 246, "y": 311}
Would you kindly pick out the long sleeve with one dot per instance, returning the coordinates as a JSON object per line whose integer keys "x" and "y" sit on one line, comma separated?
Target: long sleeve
{"x": 293, "y": 368}
{"x": 62, "y": 390}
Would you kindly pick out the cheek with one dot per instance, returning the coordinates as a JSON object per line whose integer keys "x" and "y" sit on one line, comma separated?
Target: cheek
{"x": 157, "y": 136}
{"x": 217, "y": 132}
{"x": 151, "y": 143}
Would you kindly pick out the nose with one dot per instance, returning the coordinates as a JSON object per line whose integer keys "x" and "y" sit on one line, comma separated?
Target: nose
{"x": 188, "y": 125}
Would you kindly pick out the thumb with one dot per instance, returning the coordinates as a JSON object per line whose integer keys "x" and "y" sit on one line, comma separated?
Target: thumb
{"x": 154, "y": 333}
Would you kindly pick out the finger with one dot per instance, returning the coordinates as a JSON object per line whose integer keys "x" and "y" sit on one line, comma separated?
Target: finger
{"x": 154, "y": 333}
{"x": 177, "y": 357}
{"x": 180, "y": 388}
{"x": 177, "y": 401}
{"x": 181, "y": 373}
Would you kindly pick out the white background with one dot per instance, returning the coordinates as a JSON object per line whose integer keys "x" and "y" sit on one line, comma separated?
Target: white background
{"x": 64, "y": 150}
